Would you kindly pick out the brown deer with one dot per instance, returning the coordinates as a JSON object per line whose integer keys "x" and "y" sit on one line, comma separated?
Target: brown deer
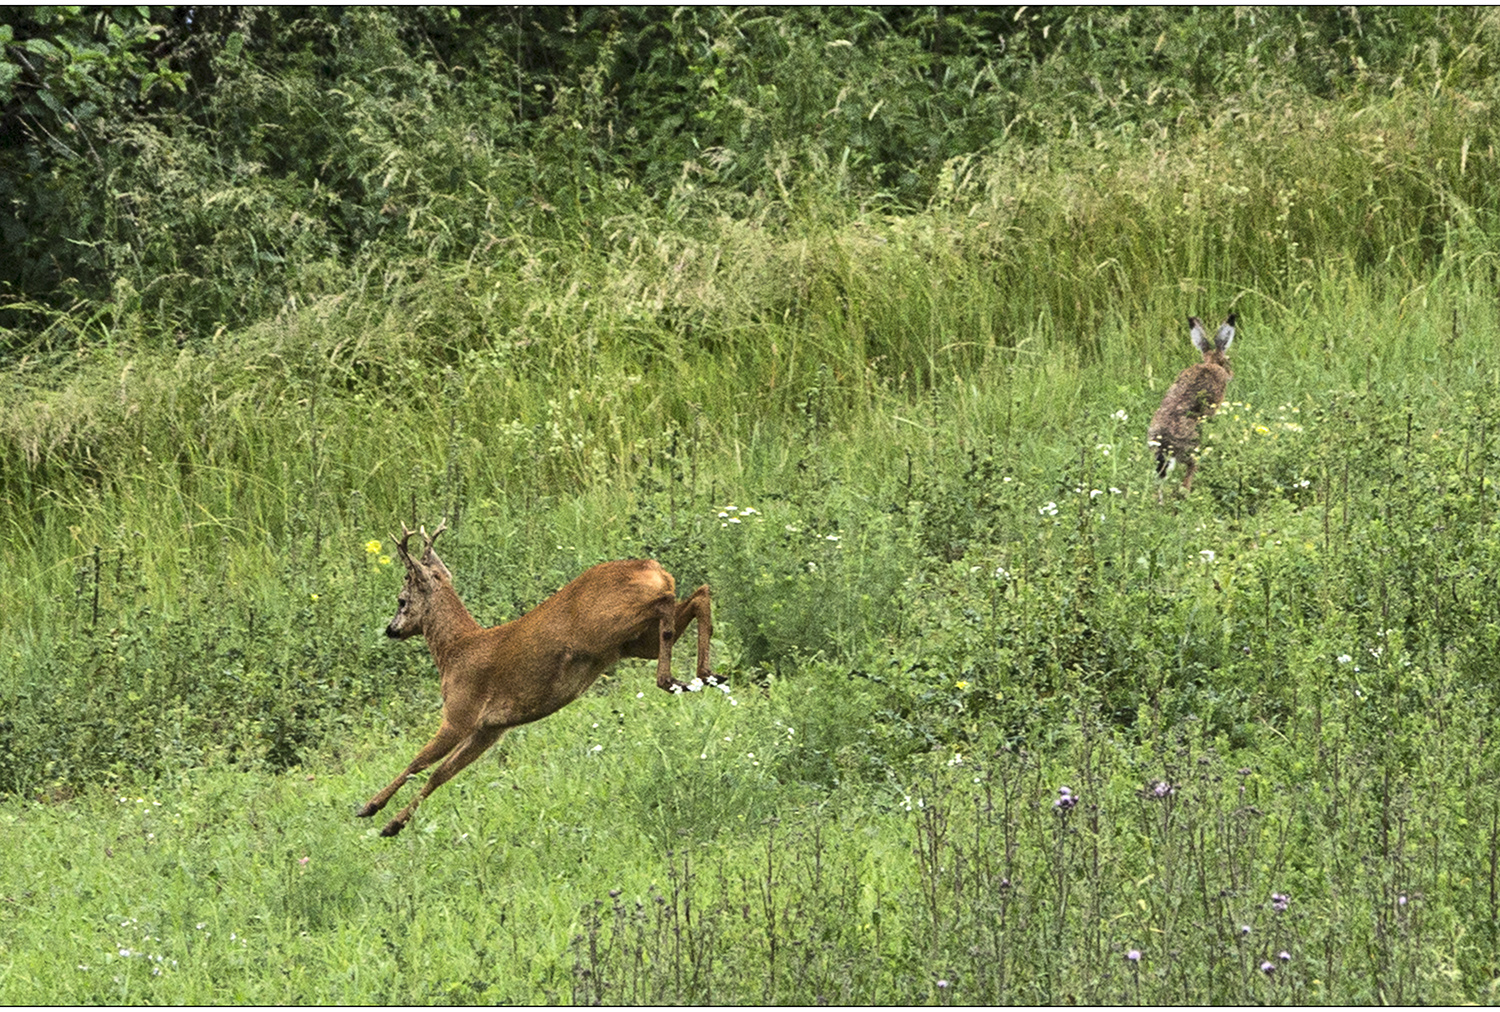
{"x": 1195, "y": 396}
{"x": 495, "y": 679}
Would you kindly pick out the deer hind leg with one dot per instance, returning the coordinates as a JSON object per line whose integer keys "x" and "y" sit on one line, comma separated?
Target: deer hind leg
{"x": 469, "y": 749}
{"x": 672, "y": 621}
{"x": 441, "y": 744}
{"x": 699, "y": 606}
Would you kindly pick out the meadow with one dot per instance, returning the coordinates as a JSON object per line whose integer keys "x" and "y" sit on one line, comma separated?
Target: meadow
{"x": 1009, "y": 721}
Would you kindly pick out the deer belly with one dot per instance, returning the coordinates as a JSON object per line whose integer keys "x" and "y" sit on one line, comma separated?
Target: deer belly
{"x": 577, "y": 670}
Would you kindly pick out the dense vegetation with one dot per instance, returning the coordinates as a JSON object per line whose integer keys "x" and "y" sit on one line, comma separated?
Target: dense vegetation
{"x": 856, "y": 314}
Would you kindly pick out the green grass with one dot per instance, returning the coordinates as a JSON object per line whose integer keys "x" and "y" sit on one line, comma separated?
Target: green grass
{"x": 907, "y": 451}
{"x": 670, "y": 865}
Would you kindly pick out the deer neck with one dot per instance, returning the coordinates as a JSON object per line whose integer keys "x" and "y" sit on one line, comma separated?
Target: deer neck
{"x": 448, "y": 624}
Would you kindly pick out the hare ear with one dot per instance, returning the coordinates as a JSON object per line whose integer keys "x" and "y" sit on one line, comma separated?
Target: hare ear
{"x": 1225, "y": 335}
{"x": 1200, "y": 338}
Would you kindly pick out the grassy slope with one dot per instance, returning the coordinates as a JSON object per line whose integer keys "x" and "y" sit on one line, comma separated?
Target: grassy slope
{"x": 937, "y": 394}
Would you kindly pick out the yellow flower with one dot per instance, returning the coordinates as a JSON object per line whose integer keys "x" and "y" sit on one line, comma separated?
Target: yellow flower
{"x": 963, "y": 685}
{"x": 371, "y": 547}
{"x": 385, "y": 560}
{"x": 1262, "y": 430}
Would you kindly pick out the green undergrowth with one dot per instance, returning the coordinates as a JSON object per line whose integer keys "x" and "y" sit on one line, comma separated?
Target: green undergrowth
{"x": 736, "y": 847}
{"x": 1009, "y": 720}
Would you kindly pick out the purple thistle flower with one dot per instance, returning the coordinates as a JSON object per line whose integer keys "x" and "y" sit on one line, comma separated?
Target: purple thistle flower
{"x": 1280, "y": 901}
{"x": 1134, "y": 955}
{"x": 1284, "y": 956}
{"x": 1268, "y": 968}
{"x": 1065, "y": 799}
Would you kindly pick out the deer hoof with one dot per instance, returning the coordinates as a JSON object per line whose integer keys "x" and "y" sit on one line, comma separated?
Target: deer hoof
{"x": 366, "y": 811}
{"x": 392, "y": 828}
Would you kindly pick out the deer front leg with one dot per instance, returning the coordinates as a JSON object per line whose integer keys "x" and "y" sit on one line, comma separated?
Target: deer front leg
{"x": 472, "y": 748}
{"x": 441, "y": 744}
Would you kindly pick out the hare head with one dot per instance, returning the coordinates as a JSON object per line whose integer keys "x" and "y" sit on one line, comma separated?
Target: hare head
{"x": 1195, "y": 395}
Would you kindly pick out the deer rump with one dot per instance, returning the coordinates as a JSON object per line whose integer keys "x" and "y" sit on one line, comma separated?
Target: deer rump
{"x": 511, "y": 674}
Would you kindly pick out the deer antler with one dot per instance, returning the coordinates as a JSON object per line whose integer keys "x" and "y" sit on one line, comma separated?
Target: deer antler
{"x": 401, "y": 544}
{"x": 430, "y": 538}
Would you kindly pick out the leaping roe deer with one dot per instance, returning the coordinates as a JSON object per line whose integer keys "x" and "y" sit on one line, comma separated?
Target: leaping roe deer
{"x": 495, "y": 679}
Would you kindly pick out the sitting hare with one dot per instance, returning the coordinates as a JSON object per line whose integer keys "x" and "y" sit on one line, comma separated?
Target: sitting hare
{"x": 1195, "y": 396}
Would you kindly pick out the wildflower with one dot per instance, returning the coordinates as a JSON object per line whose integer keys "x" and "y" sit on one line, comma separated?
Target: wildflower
{"x": 1268, "y": 968}
{"x": 385, "y": 560}
{"x": 961, "y": 684}
{"x": 1284, "y": 956}
{"x": 1065, "y": 800}
{"x": 942, "y": 983}
{"x": 1134, "y": 955}
{"x": 1261, "y": 430}
{"x": 1162, "y": 789}
{"x": 312, "y": 597}
{"x": 1345, "y": 658}
{"x": 371, "y": 547}
{"x": 1208, "y": 554}
{"x": 1120, "y": 416}
{"x": 1049, "y": 510}
{"x": 1280, "y": 901}
{"x": 303, "y": 860}
{"x": 597, "y": 748}
{"x": 832, "y": 537}
{"x": 1002, "y": 574}
{"x": 1244, "y": 930}
{"x": 1115, "y": 491}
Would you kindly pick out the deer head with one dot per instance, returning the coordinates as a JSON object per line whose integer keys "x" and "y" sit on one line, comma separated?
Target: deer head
{"x": 424, "y": 575}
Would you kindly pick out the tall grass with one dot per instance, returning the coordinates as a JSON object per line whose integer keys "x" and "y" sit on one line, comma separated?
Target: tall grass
{"x": 908, "y": 453}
